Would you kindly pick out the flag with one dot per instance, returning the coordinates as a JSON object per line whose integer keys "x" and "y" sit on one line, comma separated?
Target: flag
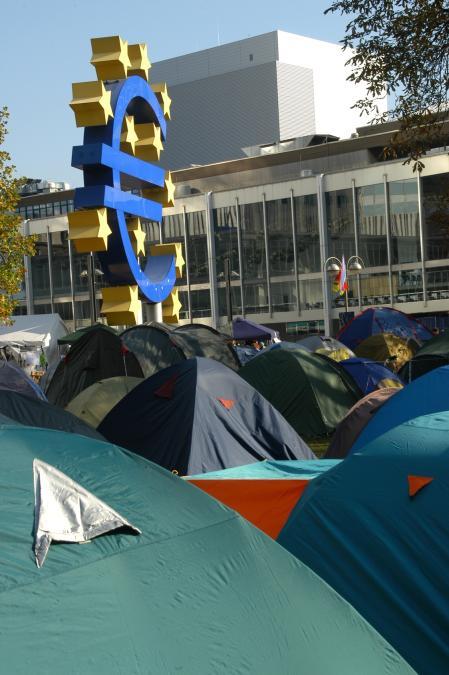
{"x": 343, "y": 281}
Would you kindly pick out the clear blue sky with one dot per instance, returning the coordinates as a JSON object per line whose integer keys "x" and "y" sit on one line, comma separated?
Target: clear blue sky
{"x": 45, "y": 46}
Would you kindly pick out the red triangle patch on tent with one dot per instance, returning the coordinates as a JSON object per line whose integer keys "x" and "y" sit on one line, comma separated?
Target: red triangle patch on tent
{"x": 166, "y": 390}
{"x": 416, "y": 483}
{"x": 227, "y": 403}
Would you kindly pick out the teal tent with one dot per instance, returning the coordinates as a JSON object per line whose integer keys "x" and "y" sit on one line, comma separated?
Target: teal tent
{"x": 199, "y": 590}
{"x": 375, "y": 527}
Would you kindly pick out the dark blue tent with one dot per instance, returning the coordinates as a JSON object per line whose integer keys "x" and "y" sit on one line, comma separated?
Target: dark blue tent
{"x": 199, "y": 416}
{"x": 425, "y": 395}
{"x": 13, "y": 378}
{"x": 376, "y": 529}
{"x": 34, "y": 413}
{"x": 382, "y": 320}
{"x": 370, "y": 375}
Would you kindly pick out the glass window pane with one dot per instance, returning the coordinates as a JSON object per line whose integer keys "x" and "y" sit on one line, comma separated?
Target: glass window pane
{"x": 280, "y": 237}
{"x": 340, "y": 223}
{"x": 404, "y": 221}
{"x": 253, "y": 254}
{"x": 307, "y": 234}
{"x": 226, "y": 240}
{"x": 372, "y": 225}
{"x": 436, "y": 215}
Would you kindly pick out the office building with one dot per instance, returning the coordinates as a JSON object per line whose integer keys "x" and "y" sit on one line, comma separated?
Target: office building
{"x": 276, "y": 217}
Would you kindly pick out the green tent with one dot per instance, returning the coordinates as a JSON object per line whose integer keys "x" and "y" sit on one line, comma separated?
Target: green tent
{"x": 313, "y": 394}
{"x": 71, "y": 338}
{"x": 199, "y": 590}
{"x": 433, "y": 354}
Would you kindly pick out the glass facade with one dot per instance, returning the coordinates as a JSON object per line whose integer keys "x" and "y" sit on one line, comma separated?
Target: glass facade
{"x": 404, "y": 221}
{"x": 435, "y": 190}
{"x": 33, "y": 211}
{"x": 284, "y": 222}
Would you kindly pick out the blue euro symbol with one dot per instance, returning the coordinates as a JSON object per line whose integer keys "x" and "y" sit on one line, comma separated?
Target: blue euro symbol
{"x": 111, "y": 179}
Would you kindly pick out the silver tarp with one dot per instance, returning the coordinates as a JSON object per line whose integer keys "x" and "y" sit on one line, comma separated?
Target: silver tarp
{"x": 65, "y": 511}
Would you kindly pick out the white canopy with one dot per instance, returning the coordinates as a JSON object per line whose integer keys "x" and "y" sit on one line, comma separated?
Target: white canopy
{"x": 34, "y": 331}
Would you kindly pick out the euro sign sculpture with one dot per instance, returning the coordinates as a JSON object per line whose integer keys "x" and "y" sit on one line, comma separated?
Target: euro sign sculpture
{"x": 125, "y": 126}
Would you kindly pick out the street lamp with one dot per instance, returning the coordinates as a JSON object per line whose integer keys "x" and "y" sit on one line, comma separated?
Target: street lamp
{"x": 355, "y": 263}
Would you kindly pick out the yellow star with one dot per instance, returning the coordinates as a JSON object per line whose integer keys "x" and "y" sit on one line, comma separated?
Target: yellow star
{"x": 91, "y": 104}
{"x": 89, "y": 230}
{"x": 137, "y": 235}
{"x": 165, "y": 195}
{"x": 110, "y": 57}
{"x": 171, "y": 249}
{"x": 129, "y": 137}
{"x": 149, "y": 145}
{"x": 140, "y": 63}
{"x": 162, "y": 96}
{"x": 121, "y": 305}
{"x": 171, "y": 307}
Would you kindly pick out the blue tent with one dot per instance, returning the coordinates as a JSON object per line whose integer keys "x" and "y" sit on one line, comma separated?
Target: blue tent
{"x": 370, "y": 375}
{"x": 290, "y": 468}
{"x": 425, "y": 395}
{"x": 13, "y": 378}
{"x": 376, "y": 320}
{"x": 376, "y": 529}
{"x": 199, "y": 416}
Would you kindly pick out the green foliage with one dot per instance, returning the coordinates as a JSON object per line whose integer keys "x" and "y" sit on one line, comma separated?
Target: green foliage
{"x": 401, "y": 48}
{"x": 13, "y": 245}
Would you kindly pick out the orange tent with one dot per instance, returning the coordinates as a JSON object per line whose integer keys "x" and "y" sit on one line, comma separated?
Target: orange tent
{"x": 264, "y": 493}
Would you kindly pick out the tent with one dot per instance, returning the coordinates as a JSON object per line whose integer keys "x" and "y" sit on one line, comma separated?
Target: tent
{"x": 425, "y": 395}
{"x": 264, "y": 492}
{"x": 433, "y": 354}
{"x": 245, "y": 353}
{"x": 375, "y": 528}
{"x": 387, "y": 348}
{"x": 30, "y": 333}
{"x": 200, "y": 416}
{"x": 93, "y": 404}
{"x": 13, "y": 378}
{"x": 355, "y": 421}
{"x": 321, "y": 344}
{"x": 242, "y": 329}
{"x": 313, "y": 394}
{"x": 375, "y": 320}
{"x": 198, "y": 590}
{"x": 71, "y": 338}
{"x": 32, "y": 412}
{"x": 156, "y": 346}
{"x": 370, "y": 375}
{"x": 99, "y": 354}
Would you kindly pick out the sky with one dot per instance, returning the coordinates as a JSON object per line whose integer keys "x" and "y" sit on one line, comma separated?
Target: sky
{"x": 45, "y": 46}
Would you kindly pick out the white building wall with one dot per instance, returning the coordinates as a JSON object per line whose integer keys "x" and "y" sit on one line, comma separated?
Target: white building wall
{"x": 333, "y": 94}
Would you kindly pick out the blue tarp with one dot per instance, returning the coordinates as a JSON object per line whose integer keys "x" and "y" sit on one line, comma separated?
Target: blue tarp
{"x": 369, "y": 375}
{"x": 383, "y": 550}
{"x": 382, "y": 320}
{"x": 425, "y": 395}
{"x": 200, "y": 416}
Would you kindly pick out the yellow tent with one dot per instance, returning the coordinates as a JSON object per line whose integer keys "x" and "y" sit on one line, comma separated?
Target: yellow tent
{"x": 93, "y": 404}
{"x": 387, "y": 348}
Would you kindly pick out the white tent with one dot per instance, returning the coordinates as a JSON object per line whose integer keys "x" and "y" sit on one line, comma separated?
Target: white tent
{"x": 33, "y": 332}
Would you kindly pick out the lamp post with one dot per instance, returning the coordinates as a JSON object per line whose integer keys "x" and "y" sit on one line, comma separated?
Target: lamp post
{"x": 355, "y": 263}
{"x": 90, "y": 273}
